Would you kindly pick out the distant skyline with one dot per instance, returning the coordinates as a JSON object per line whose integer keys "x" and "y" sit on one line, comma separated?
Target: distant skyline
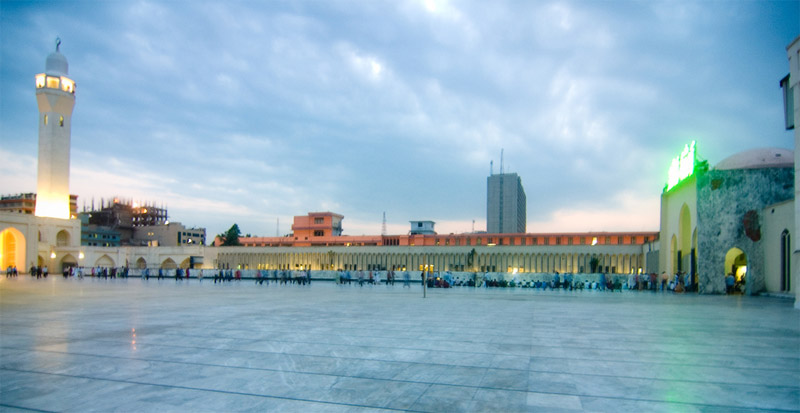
{"x": 249, "y": 112}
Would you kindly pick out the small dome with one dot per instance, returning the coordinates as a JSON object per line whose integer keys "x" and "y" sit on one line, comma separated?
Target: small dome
{"x": 56, "y": 64}
{"x": 758, "y": 158}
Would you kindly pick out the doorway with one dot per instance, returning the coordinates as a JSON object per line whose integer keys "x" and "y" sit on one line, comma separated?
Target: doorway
{"x": 736, "y": 266}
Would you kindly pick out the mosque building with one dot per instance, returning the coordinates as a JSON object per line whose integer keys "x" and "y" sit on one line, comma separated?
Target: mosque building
{"x": 735, "y": 218}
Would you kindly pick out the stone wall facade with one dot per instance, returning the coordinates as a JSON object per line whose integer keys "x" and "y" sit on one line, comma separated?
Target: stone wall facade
{"x": 724, "y": 199}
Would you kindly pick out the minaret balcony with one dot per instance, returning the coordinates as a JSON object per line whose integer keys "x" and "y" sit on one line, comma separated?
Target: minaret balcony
{"x": 45, "y": 81}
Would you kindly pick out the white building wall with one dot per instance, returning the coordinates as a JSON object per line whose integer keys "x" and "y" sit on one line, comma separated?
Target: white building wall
{"x": 685, "y": 193}
{"x": 793, "y": 53}
{"x": 777, "y": 218}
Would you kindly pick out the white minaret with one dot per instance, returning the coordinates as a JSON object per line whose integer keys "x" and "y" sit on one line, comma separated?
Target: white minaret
{"x": 55, "y": 94}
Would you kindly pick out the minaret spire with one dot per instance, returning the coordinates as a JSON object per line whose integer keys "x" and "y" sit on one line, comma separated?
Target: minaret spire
{"x": 55, "y": 95}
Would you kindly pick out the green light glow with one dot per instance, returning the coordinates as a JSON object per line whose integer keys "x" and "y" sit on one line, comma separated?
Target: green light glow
{"x": 682, "y": 166}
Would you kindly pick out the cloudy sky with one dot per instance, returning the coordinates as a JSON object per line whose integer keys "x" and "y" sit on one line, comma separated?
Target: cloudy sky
{"x": 251, "y": 112}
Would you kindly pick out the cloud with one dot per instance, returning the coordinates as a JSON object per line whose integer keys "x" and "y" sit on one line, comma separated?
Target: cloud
{"x": 266, "y": 111}
{"x": 626, "y": 211}
{"x": 18, "y": 172}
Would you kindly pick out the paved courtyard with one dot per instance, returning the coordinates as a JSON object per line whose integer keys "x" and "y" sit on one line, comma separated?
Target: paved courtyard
{"x": 131, "y": 345}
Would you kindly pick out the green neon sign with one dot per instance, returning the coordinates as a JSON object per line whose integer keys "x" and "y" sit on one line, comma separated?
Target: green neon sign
{"x": 682, "y": 166}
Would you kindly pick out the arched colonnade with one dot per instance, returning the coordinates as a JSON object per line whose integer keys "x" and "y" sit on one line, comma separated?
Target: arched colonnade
{"x": 621, "y": 263}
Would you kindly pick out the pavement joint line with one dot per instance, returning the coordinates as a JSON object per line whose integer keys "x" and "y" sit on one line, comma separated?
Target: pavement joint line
{"x": 420, "y": 395}
{"x": 349, "y": 346}
{"x": 26, "y": 408}
{"x": 390, "y": 408}
{"x": 464, "y": 352}
{"x": 173, "y": 386}
{"x": 670, "y": 353}
{"x": 485, "y": 369}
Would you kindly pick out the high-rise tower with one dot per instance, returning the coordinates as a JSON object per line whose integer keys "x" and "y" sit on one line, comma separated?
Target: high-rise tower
{"x": 505, "y": 204}
{"x": 55, "y": 94}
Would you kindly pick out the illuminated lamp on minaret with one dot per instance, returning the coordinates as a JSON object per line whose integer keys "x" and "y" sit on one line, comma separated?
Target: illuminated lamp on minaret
{"x": 55, "y": 94}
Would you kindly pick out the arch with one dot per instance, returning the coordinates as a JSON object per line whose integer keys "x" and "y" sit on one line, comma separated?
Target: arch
{"x": 104, "y": 261}
{"x": 186, "y": 263}
{"x": 786, "y": 261}
{"x": 62, "y": 238}
{"x": 12, "y": 249}
{"x": 673, "y": 254}
{"x": 141, "y": 263}
{"x": 68, "y": 261}
{"x": 169, "y": 264}
{"x": 736, "y": 264}
{"x": 693, "y": 259}
{"x": 684, "y": 238}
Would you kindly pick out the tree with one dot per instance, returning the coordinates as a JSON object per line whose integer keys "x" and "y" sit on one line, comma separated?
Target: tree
{"x": 231, "y": 237}
{"x": 593, "y": 263}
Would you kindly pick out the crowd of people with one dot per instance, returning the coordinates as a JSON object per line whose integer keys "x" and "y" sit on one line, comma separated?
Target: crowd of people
{"x": 680, "y": 282}
{"x": 370, "y": 277}
{"x": 11, "y": 271}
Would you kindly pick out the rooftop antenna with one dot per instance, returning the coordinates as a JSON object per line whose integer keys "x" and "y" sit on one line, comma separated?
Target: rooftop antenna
{"x": 473, "y": 226}
{"x": 383, "y": 227}
{"x": 278, "y": 227}
{"x": 501, "y": 161}
{"x": 491, "y": 168}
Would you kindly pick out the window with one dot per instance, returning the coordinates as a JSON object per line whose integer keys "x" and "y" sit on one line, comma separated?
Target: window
{"x": 52, "y": 82}
{"x": 319, "y": 220}
{"x": 61, "y": 121}
{"x": 45, "y": 119}
{"x": 319, "y": 233}
{"x": 67, "y": 85}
